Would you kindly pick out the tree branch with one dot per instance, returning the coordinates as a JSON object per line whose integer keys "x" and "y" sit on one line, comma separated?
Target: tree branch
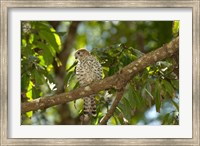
{"x": 117, "y": 81}
{"x": 112, "y": 109}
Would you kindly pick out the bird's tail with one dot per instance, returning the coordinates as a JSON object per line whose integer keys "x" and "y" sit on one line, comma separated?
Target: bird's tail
{"x": 89, "y": 110}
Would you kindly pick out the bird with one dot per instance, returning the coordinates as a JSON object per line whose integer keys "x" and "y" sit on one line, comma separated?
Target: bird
{"x": 88, "y": 70}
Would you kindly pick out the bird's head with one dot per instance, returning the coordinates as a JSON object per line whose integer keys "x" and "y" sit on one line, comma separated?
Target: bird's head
{"x": 81, "y": 54}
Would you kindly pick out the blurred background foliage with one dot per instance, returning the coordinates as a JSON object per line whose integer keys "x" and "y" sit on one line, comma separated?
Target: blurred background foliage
{"x": 150, "y": 98}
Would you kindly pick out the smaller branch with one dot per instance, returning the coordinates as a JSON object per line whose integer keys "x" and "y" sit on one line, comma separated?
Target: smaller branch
{"x": 113, "y": 107}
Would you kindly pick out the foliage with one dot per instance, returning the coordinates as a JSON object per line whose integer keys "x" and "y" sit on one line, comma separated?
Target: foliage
{"x": 151, "y": 97}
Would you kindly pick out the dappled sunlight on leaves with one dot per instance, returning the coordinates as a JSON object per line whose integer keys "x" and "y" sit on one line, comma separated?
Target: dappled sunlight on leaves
{"x": 150, "y": 98}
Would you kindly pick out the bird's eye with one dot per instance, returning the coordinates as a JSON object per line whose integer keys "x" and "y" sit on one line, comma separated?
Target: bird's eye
{"x": 78, "y": 53}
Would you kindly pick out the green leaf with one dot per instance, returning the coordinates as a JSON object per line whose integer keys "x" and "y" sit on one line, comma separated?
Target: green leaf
{"x": 50, "y": 39}
{"x": 31, "y": 38}
{"x": 76, "y": 85}
{"x": 39, "y": 78}
{"x": 48, "y": 57}
{"x": 127, "y": 109}
{"x": 24, "y": 82}
{"x": 35, "y": 93}
{"x": 130, "y": 96}
{"x": 165, "y": 119}
{"x": 113, "y": 70}
{"x": 73, "y": 65}
{"x": 175, "y": 28}
{"x": 119, "y": 116}
{"x": 139, "y": 101}
{"x": 24, "y": 43}
{"x": 29, "y": 114}
{"x": 175, "y": 104}
{"x": 175, "y": 84}
{"x": 41, "y": 25}
{"x": 168, "y": 88}
{"x": 29, "y": 91}
{"x": 47, "y": 53}
{"x": 69, "y": 76}
{"x": 116, "y": 120}
{"x": 58, "y": 42}
{"x": 125, "y": 59}
{"x": 27, "y": 51}
{"x": 157, "y": 97}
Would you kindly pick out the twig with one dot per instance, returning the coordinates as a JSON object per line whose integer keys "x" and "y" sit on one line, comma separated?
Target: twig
{"x": 113, "y": 107}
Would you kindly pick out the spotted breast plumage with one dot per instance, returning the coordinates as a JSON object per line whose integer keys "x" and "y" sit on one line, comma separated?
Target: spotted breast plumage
{"x": 88, "y": 70}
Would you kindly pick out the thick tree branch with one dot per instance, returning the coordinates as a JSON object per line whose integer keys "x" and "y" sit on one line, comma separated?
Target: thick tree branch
{"x": 112, "y": 109}
{"x": 117, "y": 81}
